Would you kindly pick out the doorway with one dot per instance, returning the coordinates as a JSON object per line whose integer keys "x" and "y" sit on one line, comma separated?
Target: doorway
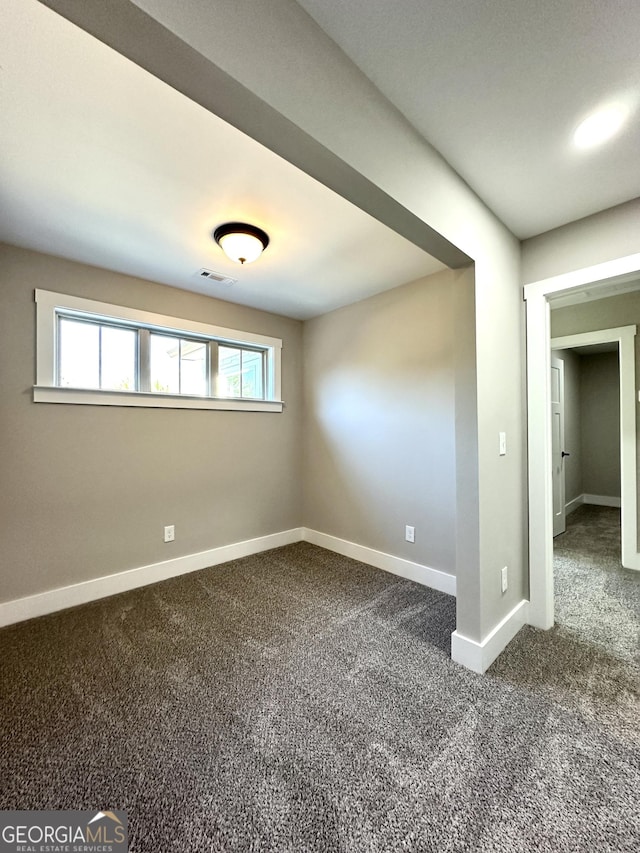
{"x": 558, "y": 452}
{"x": 585, "y": 434}
{"x": 604, "y": 280}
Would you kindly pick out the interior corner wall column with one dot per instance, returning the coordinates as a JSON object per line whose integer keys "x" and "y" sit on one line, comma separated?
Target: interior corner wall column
{"x": 467, "y": 475}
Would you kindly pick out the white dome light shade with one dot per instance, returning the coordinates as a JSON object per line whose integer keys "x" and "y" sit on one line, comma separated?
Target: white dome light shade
{"x": 240, "y": 242}
{"x": 600, "y": 126}
{"x": 241, "y": 248}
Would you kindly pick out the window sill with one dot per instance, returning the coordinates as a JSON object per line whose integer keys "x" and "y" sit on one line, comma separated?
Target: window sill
{"x": 91, "y": 397}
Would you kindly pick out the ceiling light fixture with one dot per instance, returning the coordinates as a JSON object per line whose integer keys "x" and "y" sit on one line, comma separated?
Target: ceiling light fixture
{"x": 240, "y": 242}
{"x": 600, "y": 126}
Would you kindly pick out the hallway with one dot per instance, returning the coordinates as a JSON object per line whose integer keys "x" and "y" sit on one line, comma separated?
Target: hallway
{"x": 595, "y": 598}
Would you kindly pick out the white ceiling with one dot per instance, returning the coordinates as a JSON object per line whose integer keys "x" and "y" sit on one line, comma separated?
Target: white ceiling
{"x": 498, "y": 86}
{"x": 102, "y": 163}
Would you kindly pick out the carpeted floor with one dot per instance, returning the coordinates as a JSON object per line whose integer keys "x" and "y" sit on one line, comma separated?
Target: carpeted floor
{"x": 300, "y": 701}
{"x": 595, "y": 598}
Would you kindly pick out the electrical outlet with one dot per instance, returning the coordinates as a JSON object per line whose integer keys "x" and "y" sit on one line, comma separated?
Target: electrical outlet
{"x": 169, "y": 532}
{"x": 505, "y": 579}
{"x": 410, "y": 533}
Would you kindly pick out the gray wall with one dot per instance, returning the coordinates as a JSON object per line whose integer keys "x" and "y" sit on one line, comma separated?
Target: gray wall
{"x": 591, "y": 316}
{"x": 600, "y": 419}
{"x": 611, "y": 234}
{"x": 86, "y": 490}
{"x": 379, "y": 448}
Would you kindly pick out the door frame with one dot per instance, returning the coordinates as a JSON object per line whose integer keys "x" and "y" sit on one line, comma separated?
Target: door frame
{"x": 624, "y": 336}
{"x": 600, "y": 279}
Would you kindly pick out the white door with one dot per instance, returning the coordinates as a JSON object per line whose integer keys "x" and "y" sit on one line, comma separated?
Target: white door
{"x": 557, "y": 445}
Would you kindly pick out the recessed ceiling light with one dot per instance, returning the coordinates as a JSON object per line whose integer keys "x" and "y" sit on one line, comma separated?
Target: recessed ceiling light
{"x": 600, "y": 126}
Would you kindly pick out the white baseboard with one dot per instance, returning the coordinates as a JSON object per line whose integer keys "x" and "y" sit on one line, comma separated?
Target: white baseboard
{"x": 573, "y": 504}
{"x": 91, "y": 590}
{"x": 479, "y": 656}
{"x": 602, "y": 500}
{"x": 594, "y": 500}
{"x": 424, "y": 575}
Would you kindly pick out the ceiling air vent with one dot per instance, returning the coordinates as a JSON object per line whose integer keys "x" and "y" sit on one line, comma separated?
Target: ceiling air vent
{"x": 217, "y": 277}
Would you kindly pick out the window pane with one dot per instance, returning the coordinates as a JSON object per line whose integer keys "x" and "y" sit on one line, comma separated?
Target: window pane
{"x": 252, "y": 374}
{"x": 165, "y": 364}
{"x": 118, "y": 359}
{"x": 79, "y": 365}
{"x": 193, "y": 368}
{"x": 229, "y": 372}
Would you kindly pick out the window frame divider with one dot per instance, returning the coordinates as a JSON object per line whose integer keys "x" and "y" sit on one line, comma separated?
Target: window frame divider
{"x": 144, "y": 360}
{"x": 50, "y": 307}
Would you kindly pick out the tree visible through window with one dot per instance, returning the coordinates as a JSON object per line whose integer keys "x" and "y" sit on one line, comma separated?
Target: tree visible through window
{"x": 241, "y": 372}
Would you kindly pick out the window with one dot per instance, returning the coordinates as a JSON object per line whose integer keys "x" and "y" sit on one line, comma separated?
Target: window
{"x": 240, "y": 372}
{"x": 178, "y": 365}
{"x": 92, "y": 352}
{"x": 94, "y": 355}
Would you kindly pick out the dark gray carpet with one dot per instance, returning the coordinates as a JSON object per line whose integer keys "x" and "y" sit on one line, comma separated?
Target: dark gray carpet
{"x": 595, "y": 598}
{"x": 300, "y": 701}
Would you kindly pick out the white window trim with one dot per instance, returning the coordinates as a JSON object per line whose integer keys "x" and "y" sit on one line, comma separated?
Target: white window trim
{"x": 48, "y": 304}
